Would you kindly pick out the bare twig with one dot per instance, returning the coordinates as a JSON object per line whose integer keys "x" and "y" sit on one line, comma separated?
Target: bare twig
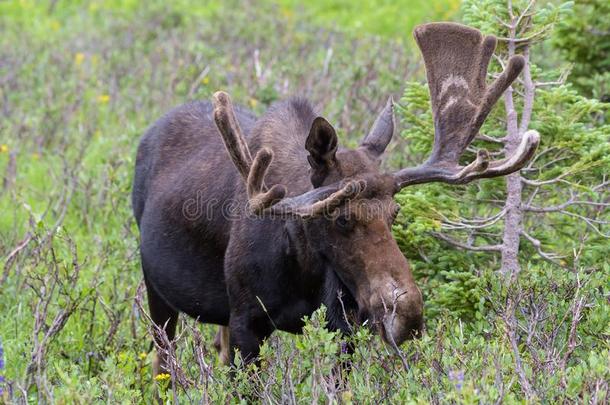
{"x": 472, "y": 223}
{"x": 510, "y": 322}
{"x": 197, "y": 82}
{"x": 551, "y": 257}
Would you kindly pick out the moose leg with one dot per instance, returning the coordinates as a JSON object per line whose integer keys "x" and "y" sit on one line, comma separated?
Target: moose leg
{"x": 164, "y": 317}
{"x": 221, "y": 343}
{"x": 246, "y": 335}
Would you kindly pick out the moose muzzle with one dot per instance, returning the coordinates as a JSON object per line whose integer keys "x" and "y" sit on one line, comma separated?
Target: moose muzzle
{"x": 398, "y": 314}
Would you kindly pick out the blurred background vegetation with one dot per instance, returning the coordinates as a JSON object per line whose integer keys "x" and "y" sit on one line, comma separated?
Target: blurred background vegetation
{"x": 80, "y": 81}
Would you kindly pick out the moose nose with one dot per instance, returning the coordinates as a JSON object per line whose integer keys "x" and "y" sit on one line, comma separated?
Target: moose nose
{"x": 397, "y": 329}
{"x": 403, "y": 320}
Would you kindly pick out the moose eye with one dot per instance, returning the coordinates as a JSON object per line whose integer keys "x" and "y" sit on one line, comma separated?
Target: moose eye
{"x": 343, "y": 223}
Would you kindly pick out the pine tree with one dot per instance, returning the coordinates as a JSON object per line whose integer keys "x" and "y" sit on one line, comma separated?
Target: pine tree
{"x": 584, "y": 40}
{"x": 555, "y": 210}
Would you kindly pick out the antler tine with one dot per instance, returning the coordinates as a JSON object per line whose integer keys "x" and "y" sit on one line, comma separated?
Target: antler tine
{"x": 497, "y": 88}
{"x": 253, "y": 172}
{"x": 233, "y": 138}
{"x": 259, "y": 197}
{"x": 456, "y": 59}
{"x": 318, "y": 202}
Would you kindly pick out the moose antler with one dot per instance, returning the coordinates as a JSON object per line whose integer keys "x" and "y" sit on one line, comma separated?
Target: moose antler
{"x": 261, "y": 199}
{"x": 319, "y": 201}
{"x": 253, "y": 172}
{"x": 456, "y": 59}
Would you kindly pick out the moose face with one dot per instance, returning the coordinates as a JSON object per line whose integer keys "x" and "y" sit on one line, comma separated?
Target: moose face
{"x": 355, "y": 241}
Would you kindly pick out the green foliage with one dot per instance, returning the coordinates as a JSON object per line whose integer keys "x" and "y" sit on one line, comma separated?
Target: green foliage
{"x": 81, "y": 81}
{"x": 541, "y": 20}
{"x": 583, "y": 38}
{"x": 394, "y": 19}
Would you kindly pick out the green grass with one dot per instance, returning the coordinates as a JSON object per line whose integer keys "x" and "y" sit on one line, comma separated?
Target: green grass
{"x": 394, "y": 19}
{"x": 79, "y": 84}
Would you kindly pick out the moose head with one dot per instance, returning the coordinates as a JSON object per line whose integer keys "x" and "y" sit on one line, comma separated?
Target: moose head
{"x": 345, "y": 219}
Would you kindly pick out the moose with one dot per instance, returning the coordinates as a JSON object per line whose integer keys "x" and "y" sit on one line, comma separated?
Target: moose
{"x": 309, "y": 222}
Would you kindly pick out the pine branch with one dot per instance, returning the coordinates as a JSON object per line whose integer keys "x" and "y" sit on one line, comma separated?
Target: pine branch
{"x": 455, "y": 243}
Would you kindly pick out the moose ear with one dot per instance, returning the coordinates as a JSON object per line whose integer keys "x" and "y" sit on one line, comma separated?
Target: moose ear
{"x": 322, "y": 145}
{"x": 381, "y": 133}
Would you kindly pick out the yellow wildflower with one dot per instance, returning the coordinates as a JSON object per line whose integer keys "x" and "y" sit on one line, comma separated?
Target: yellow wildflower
{"x": 347, "y": 396}
{"x": 55, "y": 25}
{"x": 35, "y": 156}
{"x": 103, "y": 99}
{"x": 3, "y": 148}
{"x": 79, "y": 57}
{"x": 142, "y": 356}
{"x": 162, "y": 377}
{"x": 205, "y": 80}
{"x": 287, "y": 13}
{"x": 253, "y": 102}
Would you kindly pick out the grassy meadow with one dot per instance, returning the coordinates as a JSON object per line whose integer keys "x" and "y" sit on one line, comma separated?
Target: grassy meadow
{"x": 80, "y": 81}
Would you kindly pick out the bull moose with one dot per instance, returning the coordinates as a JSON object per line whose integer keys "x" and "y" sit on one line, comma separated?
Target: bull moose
{"x": 309, "y": 222}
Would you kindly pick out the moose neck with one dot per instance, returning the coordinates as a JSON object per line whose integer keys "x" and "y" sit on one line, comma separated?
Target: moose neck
{"x": 333, "y": 293}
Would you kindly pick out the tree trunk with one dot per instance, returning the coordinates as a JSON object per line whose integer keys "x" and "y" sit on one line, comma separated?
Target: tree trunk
{"x": 514, "y": 212}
